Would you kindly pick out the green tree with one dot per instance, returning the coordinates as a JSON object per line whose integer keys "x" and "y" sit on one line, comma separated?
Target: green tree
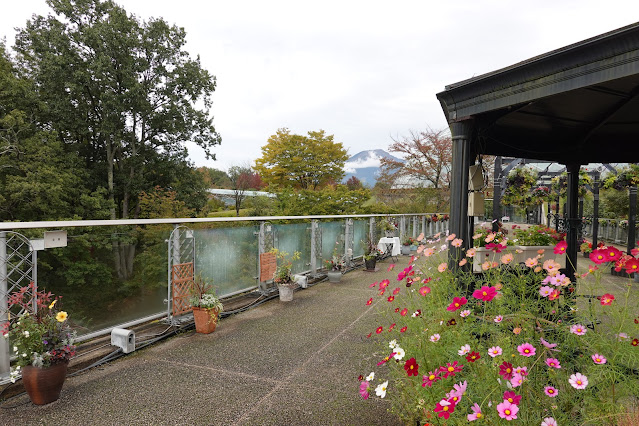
{"x": 122, "y": 94}
{"x": 301, "y": 162}
{"x": 215, "y": 178}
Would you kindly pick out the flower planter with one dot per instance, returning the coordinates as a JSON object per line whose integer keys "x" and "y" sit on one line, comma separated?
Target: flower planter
{"x": 406, "y": 250}
{"x": 482, "y": 254}
{"x": 370, "y": 264}
{"x": 334, "y": 276}
{"x": 43, "y": 385}
{"x": 413, "y": 247}
{"x": 389, "y": 234}
{"x": 286, "y": 293}
{"x": 205, "y": 319}
{"x": 532, "y": 251}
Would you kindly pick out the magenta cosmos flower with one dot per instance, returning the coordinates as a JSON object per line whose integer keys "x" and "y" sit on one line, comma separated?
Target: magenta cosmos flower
{"x": 451, "y": 369}
{"x": 364, "y": 390}
{"x": 430, "y": 378}
{"x": 561, "y": 247}
{"x": 424, "y": 290}
{"x": 456, "y": 304}
{"x": 578, "y": 381}
{"x": 599, "y": 359}
{"x": 512, "y": 397}
{"x": 550, "y": 391}
{"x": 553, "y": 362}
{"x": 506, "y": 370}
{"x": 485, "y": 293}
{"x": 507, "y": 410}
{"x": 578, "y": 329}
{"x": 526, "y": 349}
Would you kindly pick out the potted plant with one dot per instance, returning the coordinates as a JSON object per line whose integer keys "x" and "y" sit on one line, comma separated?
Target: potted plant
{"x": 335, "y": 266}
{"x": 42, "y": 342}
{"x": 586, "y": 248}
{"x": 371, "y": 253}
{"x": 406, "y": 243}
{"x": 206, "y": 305}
{"x": 388, "y": 227}
{"x": 282, "y": 276}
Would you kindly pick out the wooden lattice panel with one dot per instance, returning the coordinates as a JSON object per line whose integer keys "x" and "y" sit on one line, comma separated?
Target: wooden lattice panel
{"x": 268, "y": 264}
{"x": 182, "y": 283}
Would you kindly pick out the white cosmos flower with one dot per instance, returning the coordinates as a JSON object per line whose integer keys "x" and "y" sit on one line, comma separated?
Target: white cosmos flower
{"x": 399, "y": 353}
{"x": 464, "y": 350}
{"x": 26, "y": 333}
{"x": 370, "y": 377}
{"x": 380, "y": 390}
{"x": 392, "y": 343}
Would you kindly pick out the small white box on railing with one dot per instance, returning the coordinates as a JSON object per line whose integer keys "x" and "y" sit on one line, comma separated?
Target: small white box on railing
{"x": 124, "y": 339}
{"x": 301, "y": 280}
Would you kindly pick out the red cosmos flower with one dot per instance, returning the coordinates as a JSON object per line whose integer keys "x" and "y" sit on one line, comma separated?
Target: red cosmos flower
{"x": 497, "y": 248}
{"x": 369, "y": 302}
{"x": 360, "y": 378}
{"x": 373, "y": 285}
{"x": 369, "y": 334}
{"x": 396, "y": 291}
{"x": 554, "y": 294}
{"x": 607, "y": 299}
{"x": 445, "y": 410}
{"x": 632, "y": 265}
{"x": 635, "y": 342}
{"x": 390, "y": 267}
{"x": 386, "y": 359}
{"x": 506, "y": 370}
{"x": 512, "y": 397}
{"x": 485, "y": 293}
{"x": 392, "y": 326}
{"x": 473, "y": 356}
{"x": 561, "y": 247}
{"x": 391, "y": 298}
{"x": 427, "y": 280}
{"x": 381, "y": 293}
{"x": 383, "y": 284}
{"x": 404, "y": 312}
{"x": 424, "y": 290}
{"x": 598, "y": 256}
{"x": 457, "y": 303}
{"x": 409, "y": 282}
{"x": 411, "y": 367}
{"x": 403, "y": 329}
{"x": 379, "y": 329}
{"x": 450, "y": 369}
{"x": 613, "y": 253}
{"x": 396, "y": 310}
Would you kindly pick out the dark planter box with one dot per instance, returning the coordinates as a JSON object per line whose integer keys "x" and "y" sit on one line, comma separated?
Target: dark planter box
{"x": 621, "y": 273}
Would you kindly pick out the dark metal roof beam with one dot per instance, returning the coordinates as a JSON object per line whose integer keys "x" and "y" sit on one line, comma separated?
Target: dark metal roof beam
{"x": 610, "y": 113}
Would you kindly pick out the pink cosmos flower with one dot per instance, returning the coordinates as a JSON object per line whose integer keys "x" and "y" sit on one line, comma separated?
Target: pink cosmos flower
{"x": 512, "y": 397}
{"x": 430, "y": 378}
{"x": 476, "y": 413}
{"x": 507, "y": 410}
{"x": 485, "y": 266}
{"x": 549, "y": 421}
{"x": 424, "y": 290}
{"x": 526, "y": 349}
{"x": 463, "y": 262}
{"x": 516, "y": 380}
{"x": 578, "y": 381}
{"x": 553, "y": 362}
{"x": 578, "y": 329}
{"x": 442, "y": 267}
{"x": 460, "y": 388}
{"x": 464, "y": 350}
{"x": 450, "y": 237}
{"x": 494, "y": 351}
{"x": 531, "y": 262}
{"x": 550, "y": 391}
{"x": 390, "y": 267}
{"x": 550, "y": 346}
{"x": 457, "y": 242}
{"x": 456, "y": 304}
{"x": 464, "y": 313}
{"x": 364, "y": 390}
{"x": 470, "y": 252}
{"x": 545, "y": 291}
{"x": 489, "y": 237}
{"x": 521, "y": 370}
{"x": 599, "y": 359}
{"x": 485, "y": 293}
{"x": 507, "y": 258}
{"x": 429, "y": 252}
{"x": 434, "y": 338}
{"x": 498, "y": 318}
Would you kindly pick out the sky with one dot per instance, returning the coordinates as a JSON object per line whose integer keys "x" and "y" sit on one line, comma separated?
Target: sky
{"x": 363, "y": 71}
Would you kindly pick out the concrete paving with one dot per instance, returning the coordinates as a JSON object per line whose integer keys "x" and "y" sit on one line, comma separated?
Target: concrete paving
{"x": 293, "y": 363}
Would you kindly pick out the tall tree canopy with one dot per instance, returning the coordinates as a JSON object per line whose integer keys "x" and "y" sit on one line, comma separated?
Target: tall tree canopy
{"x": 301, "y": 162}
{"x": 122, "y": 94}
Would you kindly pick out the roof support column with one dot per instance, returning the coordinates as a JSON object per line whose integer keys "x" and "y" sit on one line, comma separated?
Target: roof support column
{"x": 573, "y": 219}
{"x": 461, "y": 136}
{"x": 497, "y": 194}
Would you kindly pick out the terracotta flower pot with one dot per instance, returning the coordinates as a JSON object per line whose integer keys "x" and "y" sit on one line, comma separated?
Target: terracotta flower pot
{"x": 43, "y": 385}
{"x": 205, "y": 319}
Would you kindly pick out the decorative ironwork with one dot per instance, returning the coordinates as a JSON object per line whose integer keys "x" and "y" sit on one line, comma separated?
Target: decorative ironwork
{"x": 182, "y": 284}
{"x": 18, "y": 258}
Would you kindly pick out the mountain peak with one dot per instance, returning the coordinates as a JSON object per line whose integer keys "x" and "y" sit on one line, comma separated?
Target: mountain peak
{"x": 365, "y": 165}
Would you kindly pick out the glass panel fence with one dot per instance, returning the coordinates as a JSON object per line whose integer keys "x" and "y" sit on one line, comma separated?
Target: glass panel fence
{"x": 292, "y": 237}
{"x": 360, "y": 235}
{"x": 332, "y": 237}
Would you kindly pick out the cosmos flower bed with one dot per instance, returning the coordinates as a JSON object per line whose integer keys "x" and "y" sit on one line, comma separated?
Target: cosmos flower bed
{"x": 516, "y": 344}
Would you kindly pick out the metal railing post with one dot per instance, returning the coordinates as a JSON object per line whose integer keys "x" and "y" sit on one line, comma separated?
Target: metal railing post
{"x": 314, "y": 233}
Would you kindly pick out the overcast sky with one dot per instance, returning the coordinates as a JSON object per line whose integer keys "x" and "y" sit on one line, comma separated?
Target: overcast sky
{"x": 364, "y": 71}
